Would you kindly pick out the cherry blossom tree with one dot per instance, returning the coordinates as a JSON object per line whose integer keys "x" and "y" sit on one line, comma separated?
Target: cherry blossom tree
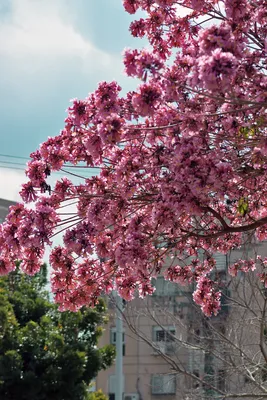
{"x": 181, "y": 161}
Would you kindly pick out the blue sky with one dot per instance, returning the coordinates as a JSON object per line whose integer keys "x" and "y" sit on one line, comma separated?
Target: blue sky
{"x": 52, "y": 51}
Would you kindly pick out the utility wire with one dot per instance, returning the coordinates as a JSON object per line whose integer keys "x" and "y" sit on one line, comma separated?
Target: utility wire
{"x": 25, "y": 158}
{"x": 4, "y": 166}
{"x": 9, "y": 156}
{"x": 12, "y": 162}
{"x": 13, "y": 165}
{"x": 54, "y": 172}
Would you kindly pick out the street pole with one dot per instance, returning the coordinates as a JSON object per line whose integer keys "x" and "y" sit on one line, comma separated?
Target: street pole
{"x": 119, "y": 344}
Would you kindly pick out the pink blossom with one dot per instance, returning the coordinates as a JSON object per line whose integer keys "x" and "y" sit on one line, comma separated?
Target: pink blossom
{"x": 216, "y": 70}
{"x": 181, "y": 163}
{"x": 141, "y": 63}
{"x": 110, "y": 129}
{"x": 131, "y": 6}
{"x": 206, "y": 296}
{"x": 242, "y": 265}
{"x": 145, "y": 100}
{"x": 28, "y": 192}
{"x": 181, "y": 275}
{"x": 6, "y": 266}
{"x": 237, "y": 10}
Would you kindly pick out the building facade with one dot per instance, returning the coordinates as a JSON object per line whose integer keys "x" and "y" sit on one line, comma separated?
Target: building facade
{"x": 151, "y": 329}
{"x": 4, "y": 206}
{"x": 171, "y": 351}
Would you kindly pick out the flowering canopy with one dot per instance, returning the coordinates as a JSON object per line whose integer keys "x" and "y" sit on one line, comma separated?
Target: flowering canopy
{"x": 182, "y": 161}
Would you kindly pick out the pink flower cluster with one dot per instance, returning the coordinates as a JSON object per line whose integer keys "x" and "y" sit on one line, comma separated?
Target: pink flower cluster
{"x": 206, "y": 296}
{"x": 243, "y": 266}
{"x": 181, "y": 162}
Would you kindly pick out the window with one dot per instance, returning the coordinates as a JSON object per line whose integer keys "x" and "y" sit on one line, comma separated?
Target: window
{"x": 194, "y": 334}
{"x": 222, "y": 329}
{"x": 196, "y": 337}
{"x": 164, "y": 288}
{"x": 196, "y": 361}
{"x": 221, "y": 379}
{"x": 195, "y": 384}
{"x": 163, "y": 384}
{"x": 163, "y": 334}
{"x": 113, "y": 339}
{"x": 220, "y": 261}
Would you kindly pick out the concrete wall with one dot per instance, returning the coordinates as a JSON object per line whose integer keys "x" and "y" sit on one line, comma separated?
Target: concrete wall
{"x": 4, "y": 206}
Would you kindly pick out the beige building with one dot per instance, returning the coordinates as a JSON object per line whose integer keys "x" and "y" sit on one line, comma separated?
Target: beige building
{"x": 158, "y": 320}
{"x": 172, "y": 352}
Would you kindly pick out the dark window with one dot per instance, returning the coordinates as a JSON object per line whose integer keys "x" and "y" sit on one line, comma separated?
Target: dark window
{"x": 163, "y": 384}
{"x": 164, "y": 335}
{"x": 113, "y": 340}
{"x": 195, "y": 381}
{"x": 221, "y": 380}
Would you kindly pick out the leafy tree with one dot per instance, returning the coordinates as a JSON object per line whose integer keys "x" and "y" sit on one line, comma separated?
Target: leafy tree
{"x": 45, "y": 354}
{"x": 181, "y": 161}
{"x": 99, "y": 395}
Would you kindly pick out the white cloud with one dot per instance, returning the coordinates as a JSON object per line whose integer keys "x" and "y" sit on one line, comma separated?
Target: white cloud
{"x": 182, "y": 11}
{"x": 10, "y": 184}
{"x": 37, "y": 32}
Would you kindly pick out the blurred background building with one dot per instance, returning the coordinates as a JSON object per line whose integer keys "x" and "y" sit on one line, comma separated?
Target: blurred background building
{"x": 4, "y": 206}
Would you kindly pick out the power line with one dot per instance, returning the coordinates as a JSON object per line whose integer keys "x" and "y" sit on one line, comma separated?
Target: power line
{"x": 12, "y": 162}
{"x": 54, "y": 172}
{"x": 61, "y": 173}
{"x": 4, "y": 166}
{"x": 9, "y": 156}
{"x": 25, "y": 158}
{"x": 13, "y": 165}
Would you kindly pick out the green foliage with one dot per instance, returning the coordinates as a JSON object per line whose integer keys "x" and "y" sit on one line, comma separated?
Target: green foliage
{"x": 247, "y": 131}
{"x": 99, "y": 395}
{"x": 242, "y": 206}
{"x": 45, "y": 354}
{"x": 108, "y": 354}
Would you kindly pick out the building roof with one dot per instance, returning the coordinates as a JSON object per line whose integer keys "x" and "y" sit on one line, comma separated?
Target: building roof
{"x": 6, "y": 203}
